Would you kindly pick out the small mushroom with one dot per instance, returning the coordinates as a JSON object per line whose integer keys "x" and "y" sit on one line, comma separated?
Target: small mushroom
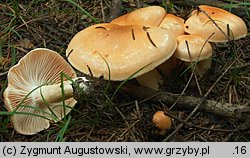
{"x": 124, "y": 50}
{"x": 34, "y": 91}
{"x": 162, "y": 121}
{"x": 230, "y": 25}
{"x": 193, "y": 48}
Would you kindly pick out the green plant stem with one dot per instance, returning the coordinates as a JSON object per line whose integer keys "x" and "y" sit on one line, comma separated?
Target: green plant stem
{"x": 83, "y": 10}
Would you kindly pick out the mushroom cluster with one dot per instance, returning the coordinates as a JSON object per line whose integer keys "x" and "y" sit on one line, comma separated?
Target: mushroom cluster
{"x": 130, "y": 46}
{"x": 206, "y": 24}
{"x": 125, "y": 47}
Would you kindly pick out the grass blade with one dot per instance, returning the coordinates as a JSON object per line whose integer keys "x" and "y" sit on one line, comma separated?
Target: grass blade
{"x": 83, "y": 10}
{"x": 63, "y": 130}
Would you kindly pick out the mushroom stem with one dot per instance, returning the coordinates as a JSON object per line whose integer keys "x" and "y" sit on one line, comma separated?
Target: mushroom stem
{"x": 54, "y": 94}
{"x": 203, "y": 66}
{"x": 168, "y": 67}
{"x": 151, "y": 79}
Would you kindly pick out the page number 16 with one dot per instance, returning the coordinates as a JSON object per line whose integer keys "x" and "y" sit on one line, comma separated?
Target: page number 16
{"x": 241, "y": 150}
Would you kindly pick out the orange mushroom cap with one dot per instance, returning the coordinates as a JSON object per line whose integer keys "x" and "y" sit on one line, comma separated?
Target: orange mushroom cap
{"x": 123, "y": 49}
{"x": 200, "y": 24}
{"x": 148, "y": 16}
{"x": 173, "y": 23}
{"x": 197, "y": 46}
{"x": 162, "y": 121}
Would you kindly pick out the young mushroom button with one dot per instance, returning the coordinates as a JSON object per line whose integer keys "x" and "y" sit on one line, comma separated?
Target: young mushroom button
{"x": 124, "y": 50}
{"x": 162, "y": 121}
{"x": 34, "y": 91}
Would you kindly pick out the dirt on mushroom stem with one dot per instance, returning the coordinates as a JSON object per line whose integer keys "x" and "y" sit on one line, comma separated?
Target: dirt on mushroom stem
{"x": 96, "y": 89}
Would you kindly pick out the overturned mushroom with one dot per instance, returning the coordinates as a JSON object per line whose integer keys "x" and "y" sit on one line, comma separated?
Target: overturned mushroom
{"x": 124, "y": 50}
{"x": 34, "y": 91}
{"x": 221, "y": 25}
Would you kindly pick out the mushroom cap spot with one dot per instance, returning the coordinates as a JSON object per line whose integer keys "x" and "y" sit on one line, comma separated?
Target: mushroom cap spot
{"x": 199, "y": 24}
{"x": 173, "y": 23}
{"x": 123, "y": 54}
{"x": 199, "y": 48}
{"x": 148, "y": 16}
{"x": 39, "y": 66}
{"x": 162, "y": 121}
